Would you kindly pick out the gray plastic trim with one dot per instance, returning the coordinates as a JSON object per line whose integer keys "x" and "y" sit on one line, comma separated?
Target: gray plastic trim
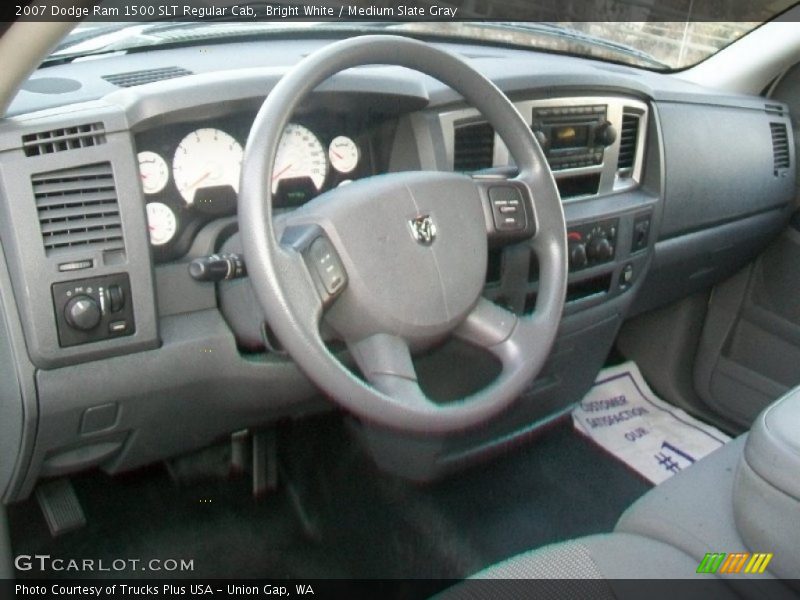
{"x": 6, "y": 568}
{"x": 33, "y": 272}
{"x": 195, "y": 387}
{"x": 609, "y": 179}
{"x": 19, "y": 409}
{"x": 716, "y": 171}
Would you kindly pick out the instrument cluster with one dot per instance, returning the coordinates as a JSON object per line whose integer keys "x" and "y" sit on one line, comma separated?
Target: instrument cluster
{"x": 189, "y": 172}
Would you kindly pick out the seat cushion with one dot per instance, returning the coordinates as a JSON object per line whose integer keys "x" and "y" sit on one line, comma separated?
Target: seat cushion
{"x": 598, "y": 567}
{"x": 766, "y": 491}
{"x": 773, "y": 446}
{"x": 693, "y": 510}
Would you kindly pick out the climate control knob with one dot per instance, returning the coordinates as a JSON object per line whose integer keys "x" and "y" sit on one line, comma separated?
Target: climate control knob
{"x": 577, "y": 256}
{"x": 82, "y": 312}
{"x": 599, "y": 249}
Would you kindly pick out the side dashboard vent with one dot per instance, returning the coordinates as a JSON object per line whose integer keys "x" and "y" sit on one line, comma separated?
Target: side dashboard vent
{"x": 780, "y": 146}
{"x": 65, "y": 138}
{"x": 627, "y": 141}
{"x": 473, "y": 147}
{"x": 78, "y": 207}
{"x": 134, "y": 78}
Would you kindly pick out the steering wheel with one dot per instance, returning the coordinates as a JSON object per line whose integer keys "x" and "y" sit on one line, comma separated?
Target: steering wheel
{"x": 396, "y": 263}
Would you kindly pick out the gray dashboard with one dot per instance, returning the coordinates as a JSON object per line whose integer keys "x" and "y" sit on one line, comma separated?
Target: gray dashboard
{"x": 704, "y": 166}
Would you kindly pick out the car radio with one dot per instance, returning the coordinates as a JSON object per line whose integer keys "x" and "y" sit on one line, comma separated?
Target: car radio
{"x": 573, "y": 136}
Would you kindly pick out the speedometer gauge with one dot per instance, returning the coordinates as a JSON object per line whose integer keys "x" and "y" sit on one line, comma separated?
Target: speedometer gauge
{"x": 300, "y": 156}
{"x": 206, "y": 158}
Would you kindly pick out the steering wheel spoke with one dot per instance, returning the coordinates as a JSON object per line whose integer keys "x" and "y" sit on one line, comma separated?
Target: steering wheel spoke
{"x": 508, "y": 209}
{"x": 385, "y": 361}
{"x": 320, "y": 257}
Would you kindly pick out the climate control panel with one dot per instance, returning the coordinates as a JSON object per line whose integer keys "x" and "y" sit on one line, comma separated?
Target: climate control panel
{"x": 94, "y": 309}
{"x": 592, "y": 244}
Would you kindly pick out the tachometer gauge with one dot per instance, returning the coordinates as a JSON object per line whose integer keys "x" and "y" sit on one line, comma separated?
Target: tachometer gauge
{"x": 206, "y": 158}
{"x": 343, "y": 154}
{"x": 300, "y": 155}
{"x": 161, "y": 222}
{"x": 153, "y": 171}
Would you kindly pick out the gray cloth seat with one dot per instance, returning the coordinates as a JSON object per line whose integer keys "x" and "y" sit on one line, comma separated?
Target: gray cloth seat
{"x": 663, "y": 536}
{"x": 599, "y": 567}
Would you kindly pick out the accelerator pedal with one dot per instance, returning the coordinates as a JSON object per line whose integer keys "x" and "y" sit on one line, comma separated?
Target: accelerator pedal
{"x": 60, "y": 505}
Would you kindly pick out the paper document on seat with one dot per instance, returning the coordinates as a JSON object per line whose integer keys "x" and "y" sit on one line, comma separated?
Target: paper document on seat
{"x": 623, "y": 416}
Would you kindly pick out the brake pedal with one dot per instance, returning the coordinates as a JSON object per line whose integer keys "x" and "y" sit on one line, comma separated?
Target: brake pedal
{"x": 60, "y": 505}
{"x": 265, "y": 462}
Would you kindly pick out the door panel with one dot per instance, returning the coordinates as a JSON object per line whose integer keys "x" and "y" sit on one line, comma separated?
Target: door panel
{"x": 749, "y": 352}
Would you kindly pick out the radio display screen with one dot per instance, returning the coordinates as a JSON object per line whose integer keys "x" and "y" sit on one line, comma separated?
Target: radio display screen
{"x": 569, "y": 136}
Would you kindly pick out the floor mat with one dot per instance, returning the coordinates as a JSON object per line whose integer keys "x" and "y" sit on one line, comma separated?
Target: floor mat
{"x": 369, "y": 524}
{"x": 622, "y": 415}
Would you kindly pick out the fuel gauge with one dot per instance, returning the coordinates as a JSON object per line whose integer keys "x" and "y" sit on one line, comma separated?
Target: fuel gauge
{"x": 161, "y": 222}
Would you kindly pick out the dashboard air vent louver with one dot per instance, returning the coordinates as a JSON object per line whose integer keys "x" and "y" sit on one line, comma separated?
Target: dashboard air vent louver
{"x": 65, "y": 138}
{"x": 78, "y": 207}
{"x": 473, "y": 147}
{"x": 773, "y": 109}
{"x": 627, "y": 141}
{"x": 780, "y": 146}
{"x": 134, "y": 78}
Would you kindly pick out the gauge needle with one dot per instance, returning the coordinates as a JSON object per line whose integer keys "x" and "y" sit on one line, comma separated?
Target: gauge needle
{"x": 199, "y": 180}
{"x": 282, "y": 171}
{"x": 336, "y": 154}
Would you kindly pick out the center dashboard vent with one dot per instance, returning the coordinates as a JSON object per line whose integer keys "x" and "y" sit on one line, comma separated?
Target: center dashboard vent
{"x": 78, "y": 207}
{"x": 134, "y": 78}
{"x": 473, "y": 147}
{"x": 780, "y": 147}
{"x": 627, "y": 141}
{"x": 65, "y": 138}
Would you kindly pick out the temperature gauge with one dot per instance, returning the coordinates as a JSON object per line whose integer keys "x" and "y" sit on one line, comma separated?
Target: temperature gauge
{"x": 343, "y": 154}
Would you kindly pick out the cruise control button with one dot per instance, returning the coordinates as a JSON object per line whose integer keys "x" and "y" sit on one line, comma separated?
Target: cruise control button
{"x": 326, "y": 264}
{"x": 506, "y": 201}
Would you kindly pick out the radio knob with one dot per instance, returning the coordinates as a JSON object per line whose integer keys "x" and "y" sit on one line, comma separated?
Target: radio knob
{"x": 577, "y": 255}
{"x": 600, "y": 249}
{"x": 542, "y": 139}
{"x": 605, "y": 134}
{"x": 82, "y": 312}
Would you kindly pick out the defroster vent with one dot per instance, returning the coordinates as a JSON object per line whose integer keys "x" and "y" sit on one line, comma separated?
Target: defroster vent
{"x": 134, "y": 78}
{"x": 78, "y": 207}
{"x": 473, "y": 147}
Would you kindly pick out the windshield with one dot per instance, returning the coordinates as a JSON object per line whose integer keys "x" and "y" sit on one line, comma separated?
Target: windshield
{"x": 659, "y": 45}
